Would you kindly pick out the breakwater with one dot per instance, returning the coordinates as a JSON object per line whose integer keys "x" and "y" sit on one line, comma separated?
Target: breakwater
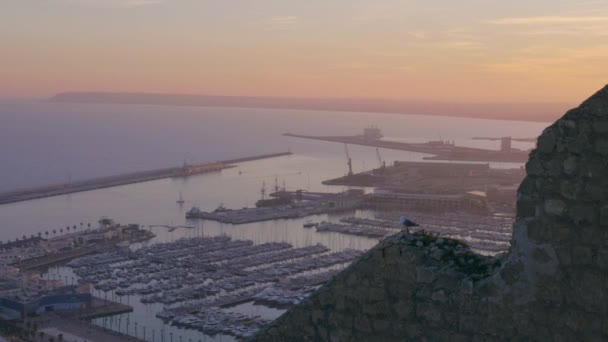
{"x": 111, "y": 181}
{"x": 439, "y": 150}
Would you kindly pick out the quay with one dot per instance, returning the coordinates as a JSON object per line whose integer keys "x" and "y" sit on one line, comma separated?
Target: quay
{"x": 55, "y": 258}
{"x": 440, "y": 150}
{"x": 309, "y": 204}
{"x": 99, "y": 308}
{"x": 250, "y": 215}
{"x": 124, "y": 179}
{"x": 111, "y": 236}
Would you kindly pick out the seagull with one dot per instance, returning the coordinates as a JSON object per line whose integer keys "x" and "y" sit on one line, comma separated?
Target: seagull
{"x": 407, "y": 222}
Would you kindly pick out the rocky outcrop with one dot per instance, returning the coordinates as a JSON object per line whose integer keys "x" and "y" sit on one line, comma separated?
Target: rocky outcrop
{"x": 552, "y": 285}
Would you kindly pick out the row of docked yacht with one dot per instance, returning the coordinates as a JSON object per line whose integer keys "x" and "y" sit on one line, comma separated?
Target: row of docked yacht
{"x": 204, "y": 274}
{"x": 371, "y": 232}
{"x": 221, "y": 322}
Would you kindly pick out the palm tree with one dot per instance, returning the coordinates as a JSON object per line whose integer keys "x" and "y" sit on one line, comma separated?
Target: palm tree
{"x": 24, "y": 237}
{"x": 54, "y": 232}
{"x": 81, "y": 225}
{"x": 39, "y": 234}
{"x": 41, "y": 334}
{"x": 88, "y": 225}
{"x": 68, "y": 229}
{"x": 46, "y": 233}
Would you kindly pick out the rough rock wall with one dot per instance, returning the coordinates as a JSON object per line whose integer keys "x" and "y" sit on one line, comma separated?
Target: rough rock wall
{"x": 552, "y": 285}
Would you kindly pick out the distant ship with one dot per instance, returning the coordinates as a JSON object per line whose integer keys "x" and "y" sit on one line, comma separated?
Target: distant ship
{"x": 279, "y": 200}
{"x": 180, "y": 200}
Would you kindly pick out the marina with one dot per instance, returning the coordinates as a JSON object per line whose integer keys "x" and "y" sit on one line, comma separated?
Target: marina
{"x": 195, "y": 278}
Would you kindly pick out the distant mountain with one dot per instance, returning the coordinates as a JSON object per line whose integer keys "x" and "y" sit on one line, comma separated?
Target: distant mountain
{"x": 542, "y": 112}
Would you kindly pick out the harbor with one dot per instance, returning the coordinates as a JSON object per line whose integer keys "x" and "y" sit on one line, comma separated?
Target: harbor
{"x": 248, "y": 255}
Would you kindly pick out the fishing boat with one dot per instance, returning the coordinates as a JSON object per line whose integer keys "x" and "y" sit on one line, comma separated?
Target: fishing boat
{"x": 310, "y": 224}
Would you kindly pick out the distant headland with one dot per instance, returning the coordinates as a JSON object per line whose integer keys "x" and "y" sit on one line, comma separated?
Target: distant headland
{"x": 539, "y": 112}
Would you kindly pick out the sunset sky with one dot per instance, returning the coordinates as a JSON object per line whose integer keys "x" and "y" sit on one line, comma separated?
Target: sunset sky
{"x": 444, "y": 50}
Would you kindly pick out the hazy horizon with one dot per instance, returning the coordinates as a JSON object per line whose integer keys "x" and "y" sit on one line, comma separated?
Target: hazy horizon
{"x": 471, "y": 52}
{"x": 542, "y": 111}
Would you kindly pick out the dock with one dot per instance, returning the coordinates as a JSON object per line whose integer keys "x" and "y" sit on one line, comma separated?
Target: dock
{"x": 306, "y": 204}
{"x": 250, "y": 215}
{"x": 99, "y": 308}
{"x": 125, "y": 179}
{"x": 440, "y": 150}
{"x": 56, "y": 258}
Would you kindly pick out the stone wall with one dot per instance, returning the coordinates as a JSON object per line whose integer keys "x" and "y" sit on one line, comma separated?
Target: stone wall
{"x": 551, "y": 286}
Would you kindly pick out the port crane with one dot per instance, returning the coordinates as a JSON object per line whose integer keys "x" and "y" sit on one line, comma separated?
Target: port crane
{"x": 380, "y": 161}
{"x": 349, "y": 161}
{"x": 276, "y": 184}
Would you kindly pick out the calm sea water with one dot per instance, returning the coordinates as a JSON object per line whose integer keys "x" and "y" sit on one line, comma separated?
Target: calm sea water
{"x": 43, "y": 142}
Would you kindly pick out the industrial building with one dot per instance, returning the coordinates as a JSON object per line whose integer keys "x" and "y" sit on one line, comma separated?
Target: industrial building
{"x": 23, "y": 294}
{"x": 426, "y": 169}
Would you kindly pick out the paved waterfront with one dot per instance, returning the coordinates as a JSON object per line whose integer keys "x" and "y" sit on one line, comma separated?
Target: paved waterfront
{"x": 77, "y": 331}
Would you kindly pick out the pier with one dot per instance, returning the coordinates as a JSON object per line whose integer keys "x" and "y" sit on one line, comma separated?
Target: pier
{"x": 440, "y": 150}
{"x": 309, "y": 204}
{"x": 124, "y": 179}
